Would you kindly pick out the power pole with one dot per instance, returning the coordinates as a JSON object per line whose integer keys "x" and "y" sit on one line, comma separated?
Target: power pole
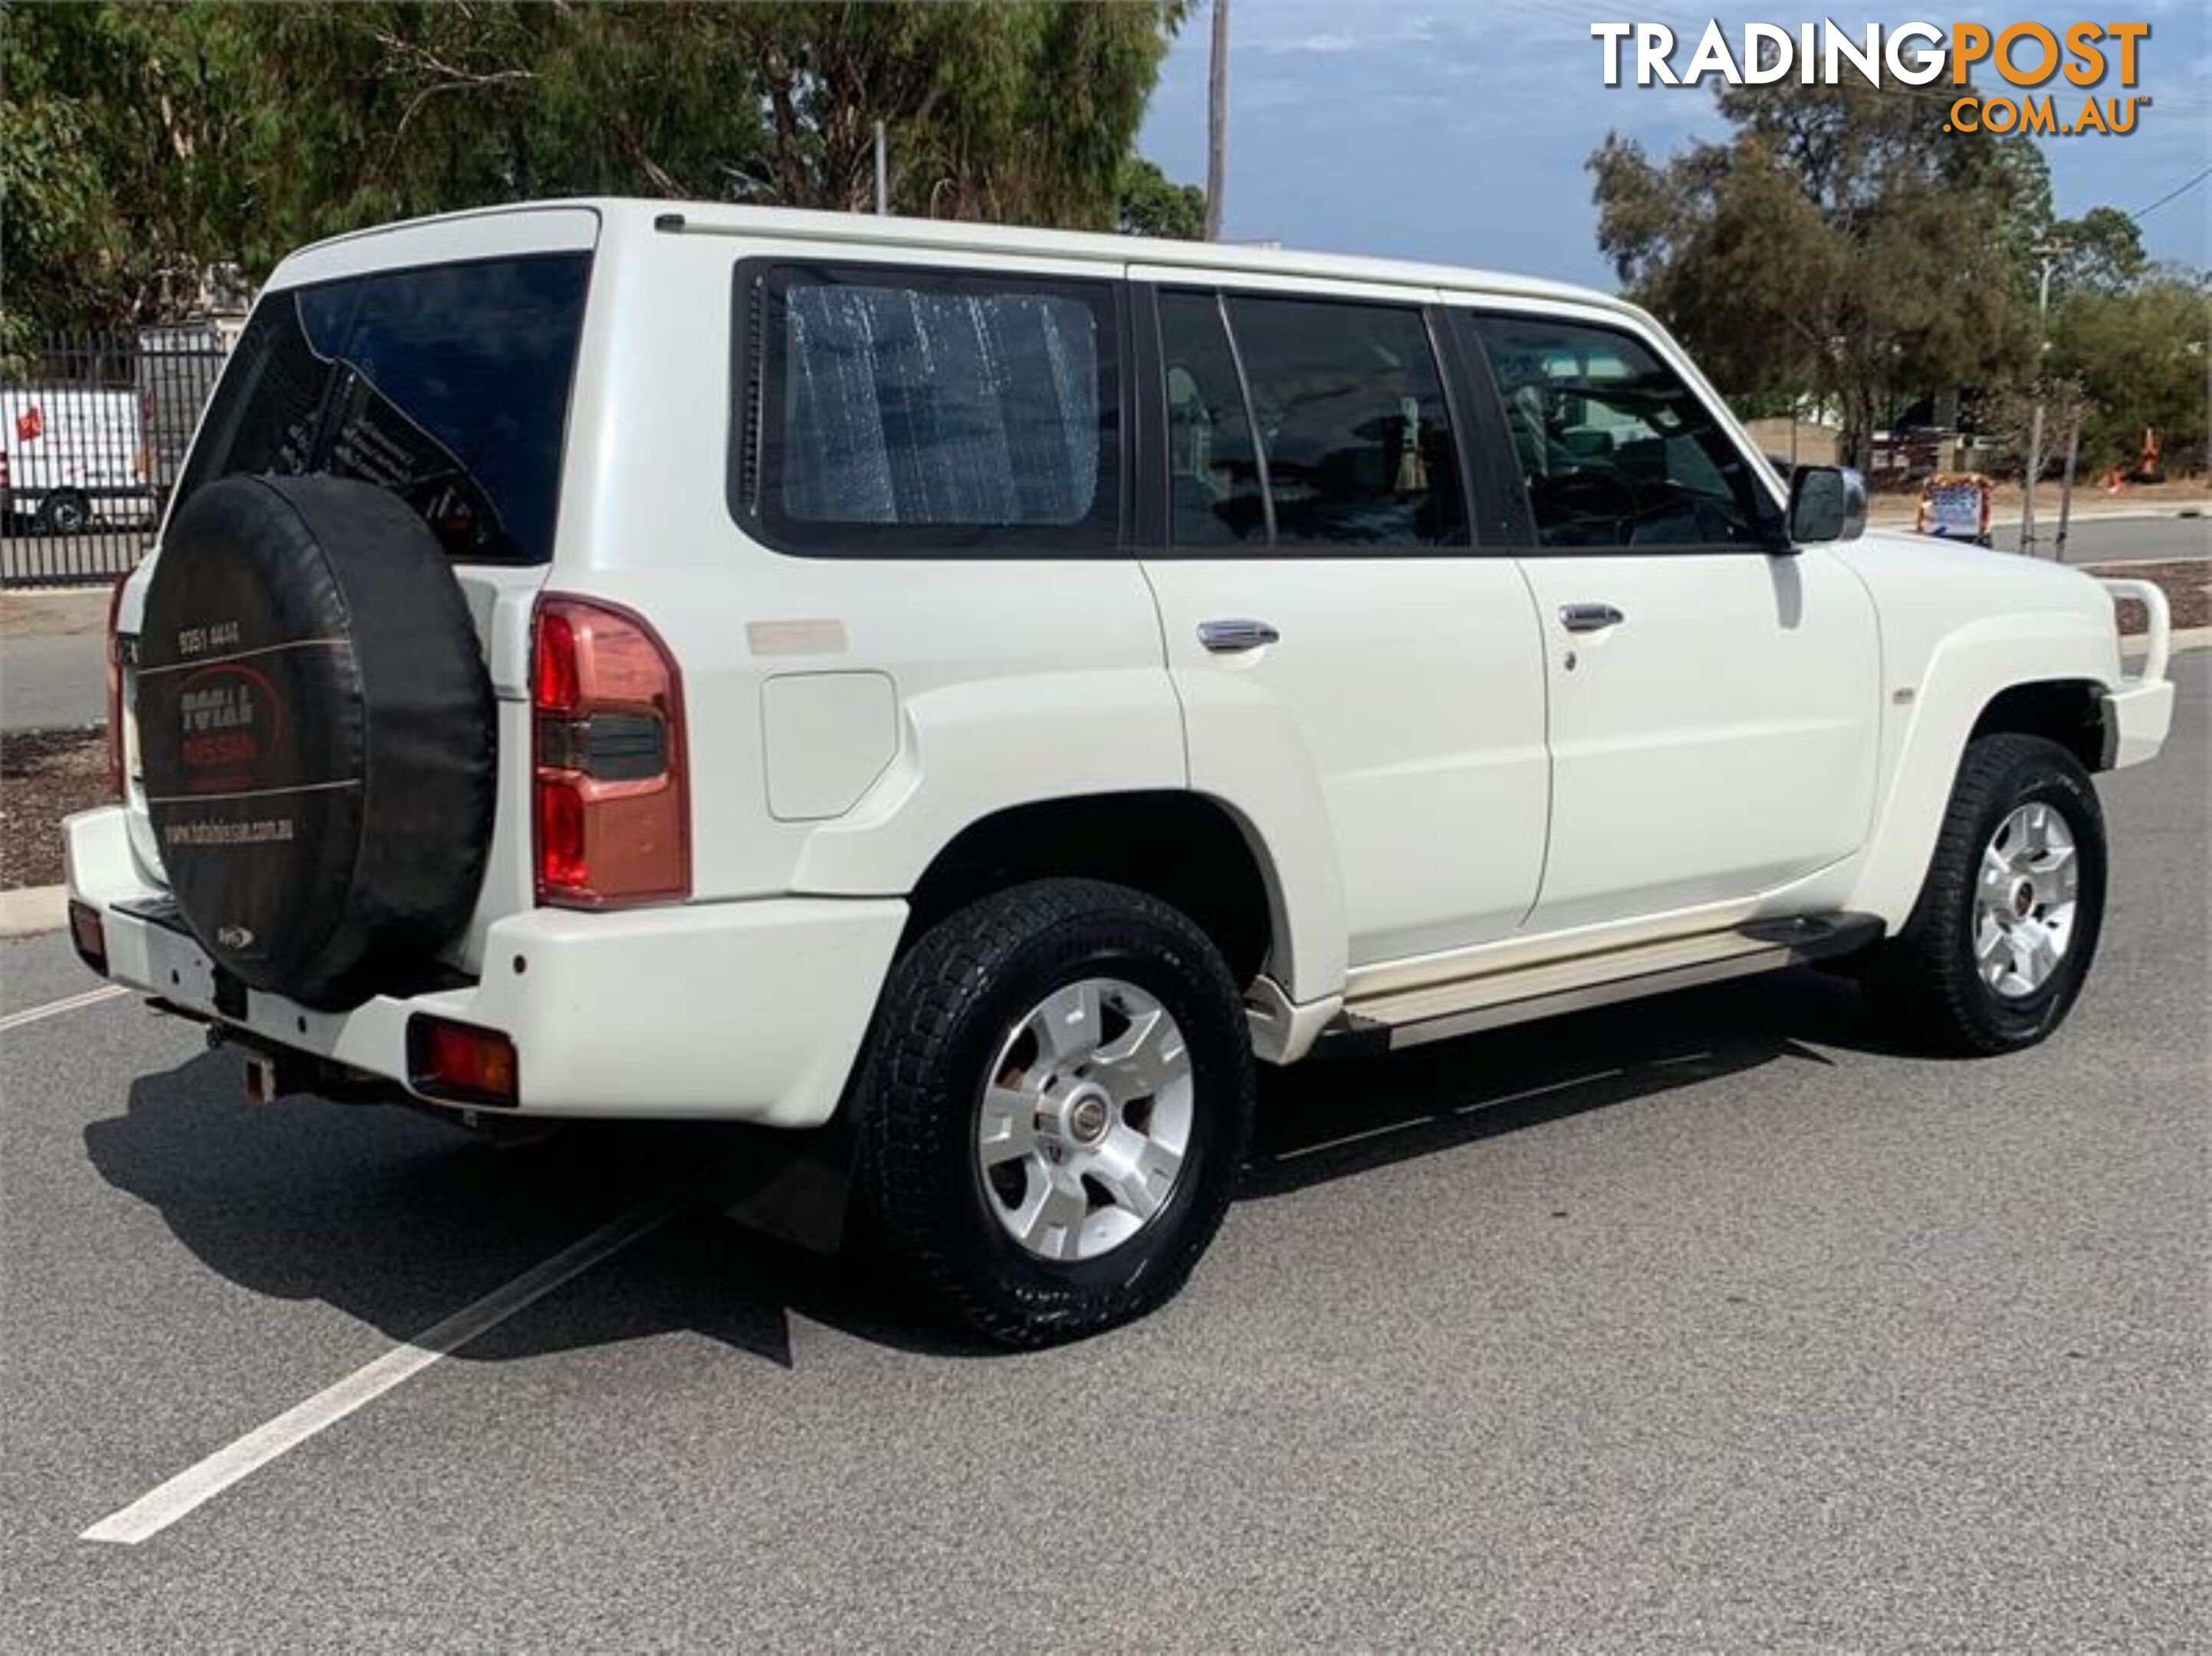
{"x": 2049, "y": 254}
{"x": 1217, "y": 122}
{"x": 2066, "y": 480}
{"x": 882, "y": 174}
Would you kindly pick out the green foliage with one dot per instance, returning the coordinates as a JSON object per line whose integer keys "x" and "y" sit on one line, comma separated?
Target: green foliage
{"x": 114, "y": 136}
{"x": 2104, "y": 252}
{"x": 2142, "y": 355}
{"x": 1153, "y": 204}
{"x": 1840, "y": 243}
{"x": 140, "y": 144}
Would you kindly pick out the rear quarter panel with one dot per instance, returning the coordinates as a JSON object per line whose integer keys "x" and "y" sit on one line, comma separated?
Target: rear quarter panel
{"x": 1013, "y": 681}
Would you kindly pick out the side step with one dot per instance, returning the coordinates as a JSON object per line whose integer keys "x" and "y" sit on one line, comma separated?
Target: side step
{"x": 1439, "y": 1011}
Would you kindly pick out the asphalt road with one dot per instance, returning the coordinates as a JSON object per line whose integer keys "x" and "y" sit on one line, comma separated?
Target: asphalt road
{"x": 1707, "y": 1323}
{"x": 53, "y": 658}
{"x": 49, "y": 681}
{"x": 2096, "y": 539}
{"x": 2112, "y": 540}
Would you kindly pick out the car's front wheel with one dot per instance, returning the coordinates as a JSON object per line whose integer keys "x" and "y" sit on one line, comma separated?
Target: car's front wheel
{"x": 1055, "y": 1100}
{"x": 1998, "y": 946}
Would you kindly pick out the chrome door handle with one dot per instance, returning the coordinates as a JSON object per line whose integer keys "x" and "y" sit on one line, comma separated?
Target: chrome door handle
{"x": 1589, "y": 618}
{"x": 1224, "y": 636}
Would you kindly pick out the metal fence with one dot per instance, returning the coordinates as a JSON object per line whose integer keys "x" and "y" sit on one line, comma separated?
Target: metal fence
{"x": 93, "y": 433}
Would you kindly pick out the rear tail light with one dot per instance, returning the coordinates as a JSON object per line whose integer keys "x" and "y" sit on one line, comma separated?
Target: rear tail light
{"x": 115, "y": 776}
{"x": 611, "y": 805}
{"x": 461, "y": 1063}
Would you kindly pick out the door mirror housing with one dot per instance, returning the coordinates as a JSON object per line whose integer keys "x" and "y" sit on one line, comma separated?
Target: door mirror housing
{"x": 1826, "y": 503}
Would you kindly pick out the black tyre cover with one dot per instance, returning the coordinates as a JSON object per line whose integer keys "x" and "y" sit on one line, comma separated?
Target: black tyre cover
{"x": 317, "y": 730}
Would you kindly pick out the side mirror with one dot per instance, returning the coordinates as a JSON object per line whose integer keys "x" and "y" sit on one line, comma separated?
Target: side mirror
{"x": 1826, "y": 503}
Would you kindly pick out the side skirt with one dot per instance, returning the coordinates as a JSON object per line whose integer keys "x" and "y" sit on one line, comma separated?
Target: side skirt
{"x": 1408, "y": 1018}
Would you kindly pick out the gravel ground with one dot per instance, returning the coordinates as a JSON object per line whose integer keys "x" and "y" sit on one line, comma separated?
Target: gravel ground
{"x": 43, "y": 776}
{"x": 2188, "y": 587}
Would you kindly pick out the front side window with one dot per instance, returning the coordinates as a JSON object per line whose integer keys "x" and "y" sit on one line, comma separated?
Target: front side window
{"x": 921, "y": 413}
{"x": 1614, "y": 449}
{"x": 448, "y": 385}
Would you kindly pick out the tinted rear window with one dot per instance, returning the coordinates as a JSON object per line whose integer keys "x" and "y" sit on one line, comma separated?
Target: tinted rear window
{"x": 448, "y": 385}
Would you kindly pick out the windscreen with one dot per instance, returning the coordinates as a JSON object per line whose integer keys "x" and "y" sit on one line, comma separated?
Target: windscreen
{"x": 447, "y": 385}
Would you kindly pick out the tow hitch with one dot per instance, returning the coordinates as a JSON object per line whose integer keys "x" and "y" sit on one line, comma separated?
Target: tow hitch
{"x": 274, "y": 1072}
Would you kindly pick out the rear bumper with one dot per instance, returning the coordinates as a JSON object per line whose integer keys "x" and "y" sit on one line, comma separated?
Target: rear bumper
{"x": 749, "y": 1011}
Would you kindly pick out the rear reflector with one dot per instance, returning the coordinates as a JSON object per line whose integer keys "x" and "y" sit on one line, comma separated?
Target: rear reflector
{"x": 89, "y": 936}
{"x": 561, "y": 860}
{"x": 461, "y": 1062}
{"x": 553, "y": 685}
{"x": 115, "y": 777}
{"x": 611, "y": 811}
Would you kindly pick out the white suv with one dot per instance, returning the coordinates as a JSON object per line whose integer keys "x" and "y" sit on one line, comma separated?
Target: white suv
{"x": 975, "y": 690}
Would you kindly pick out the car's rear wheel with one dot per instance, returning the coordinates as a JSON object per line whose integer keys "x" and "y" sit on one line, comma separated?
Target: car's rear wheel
{"x": 1054, "y": 1106}
{"x": 2000, "y": 940}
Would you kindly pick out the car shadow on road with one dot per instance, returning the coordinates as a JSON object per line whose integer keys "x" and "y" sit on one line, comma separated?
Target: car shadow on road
{"x": 399, "y": 1220}
{"x": 1327, "y": 1120}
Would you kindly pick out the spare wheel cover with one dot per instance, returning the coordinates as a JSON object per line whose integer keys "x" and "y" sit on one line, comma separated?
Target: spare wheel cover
{"x": 316, "y": 731}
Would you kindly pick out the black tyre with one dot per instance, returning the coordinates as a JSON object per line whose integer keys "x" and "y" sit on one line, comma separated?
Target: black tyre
{"x": 64, "y": 512}
{"x": 2007, "y": 923}
{"x": 1054, "y": 1105}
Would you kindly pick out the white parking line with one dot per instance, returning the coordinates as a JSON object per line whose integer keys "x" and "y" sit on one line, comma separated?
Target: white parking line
{"x": 158, "y": 1508}
{"x": 54, "y": 1009}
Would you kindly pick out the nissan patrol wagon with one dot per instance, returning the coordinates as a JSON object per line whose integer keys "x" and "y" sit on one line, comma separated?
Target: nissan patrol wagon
{"x": 976, "y": 691}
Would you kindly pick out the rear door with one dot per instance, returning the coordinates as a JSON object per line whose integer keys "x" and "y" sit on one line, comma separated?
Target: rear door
{"x": 1714, "y": 700}
{"x": 1346, "y": 654}
{"x": 435, "y": 361}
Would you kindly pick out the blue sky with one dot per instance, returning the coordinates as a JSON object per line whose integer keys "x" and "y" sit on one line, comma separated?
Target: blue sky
{"x": 1456, "y": 131}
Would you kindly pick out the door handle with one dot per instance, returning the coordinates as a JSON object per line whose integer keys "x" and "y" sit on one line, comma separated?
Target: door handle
{"x": 1223, "y": 637}
{"x": 1589, "y": 618}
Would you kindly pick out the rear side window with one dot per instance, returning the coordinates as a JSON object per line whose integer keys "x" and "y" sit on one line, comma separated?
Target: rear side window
{"x": 448, "y": 385}
{"x": 1306, "y": 423}
{"x": 1217, "y": 495}
{"x": 893, "y": 411}
{"x": 1351, "y": 412}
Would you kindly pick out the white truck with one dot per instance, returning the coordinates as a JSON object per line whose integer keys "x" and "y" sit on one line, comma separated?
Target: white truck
{"x": 72, "y": 457}
{"x": 969, "y": 694}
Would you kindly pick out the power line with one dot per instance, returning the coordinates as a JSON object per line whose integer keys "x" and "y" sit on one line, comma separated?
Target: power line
{"x": 2179, "y": 190}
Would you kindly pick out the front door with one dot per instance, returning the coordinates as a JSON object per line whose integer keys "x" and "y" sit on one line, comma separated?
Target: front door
{"x": 1331, "y": 626}
{"x": 1714, "y": 702}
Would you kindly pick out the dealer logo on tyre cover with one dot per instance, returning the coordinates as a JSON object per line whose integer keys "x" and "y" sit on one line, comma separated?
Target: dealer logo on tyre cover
{"x": 230, "y": 727}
